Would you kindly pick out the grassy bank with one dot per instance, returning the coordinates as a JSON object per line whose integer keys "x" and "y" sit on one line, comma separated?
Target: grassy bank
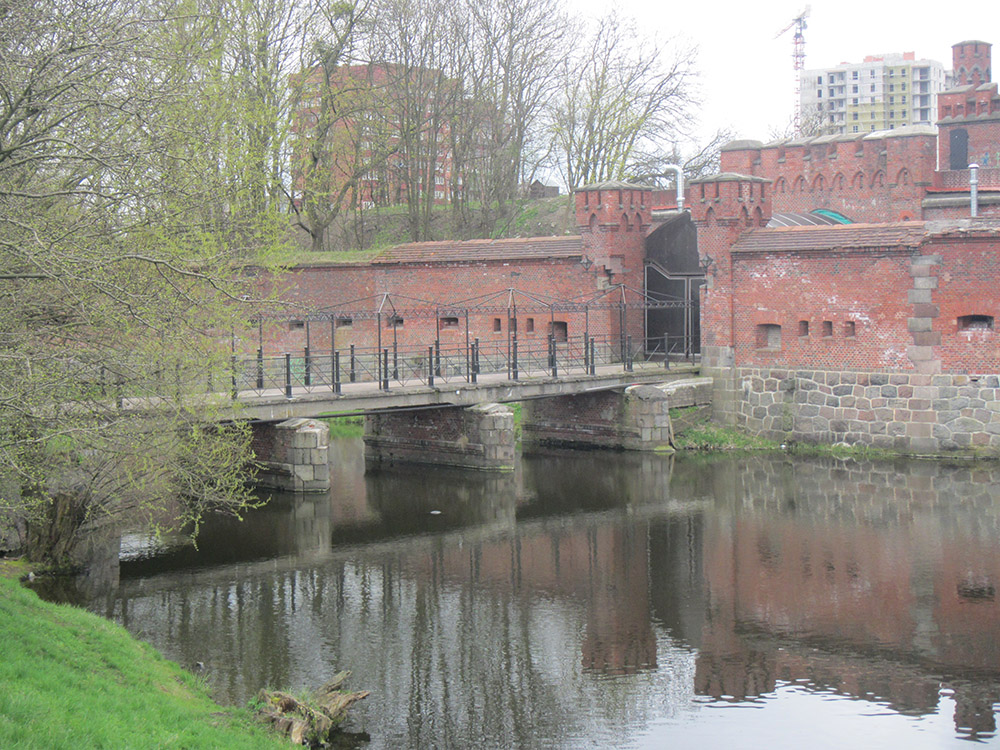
{"x": 707, "y": 437}
{"x": 74, "y": 680}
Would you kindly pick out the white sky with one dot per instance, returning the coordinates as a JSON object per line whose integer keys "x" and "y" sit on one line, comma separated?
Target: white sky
{"x": 747, "y": 81}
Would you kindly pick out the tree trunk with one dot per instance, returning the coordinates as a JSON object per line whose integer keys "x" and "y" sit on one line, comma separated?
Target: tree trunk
{"x": 53, "y": 536}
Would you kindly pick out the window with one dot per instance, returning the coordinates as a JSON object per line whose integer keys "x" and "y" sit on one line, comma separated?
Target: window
{"x": 803, "y": 328}
{"x": 854, "y": 89}
{"x": 827, "y": 328}
{"x": 497, "y": 324}
{"x": 819, "y": 93}
{"x": 768, "y": 336}
{"x": 343, "y": 322}
{"x": 849, "y": 329}
{"x": 975, "y": 323}
{"x": 296, "y": 325}
{"x": 559, "y": 330}
{"x": 394, "y": 321}
{"x": 873, "y": 88}
{"x": 854, "y": 116}
{"x": 529, "y": 325}
{"x": 448, "y": 322}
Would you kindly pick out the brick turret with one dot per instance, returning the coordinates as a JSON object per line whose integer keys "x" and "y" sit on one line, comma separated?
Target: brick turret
{"x": 971, "y": 63}
{"x": 723, "y": 207}
{"x": 613, "y": 218}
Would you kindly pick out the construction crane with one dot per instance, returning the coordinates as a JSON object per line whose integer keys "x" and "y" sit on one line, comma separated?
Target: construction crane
{"x": 798, "y": 59}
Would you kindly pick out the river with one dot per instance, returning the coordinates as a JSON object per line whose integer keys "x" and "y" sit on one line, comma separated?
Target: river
{"x": 600, "y": 600}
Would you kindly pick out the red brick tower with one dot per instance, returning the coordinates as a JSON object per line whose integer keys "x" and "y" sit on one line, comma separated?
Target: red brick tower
{"x": 613, "y": 219}
{"x": 971, "y": 63}
{"x": 723, "y": 207}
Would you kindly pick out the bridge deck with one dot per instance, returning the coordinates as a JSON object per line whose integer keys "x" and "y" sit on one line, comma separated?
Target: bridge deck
{"x": 367, "y": 397}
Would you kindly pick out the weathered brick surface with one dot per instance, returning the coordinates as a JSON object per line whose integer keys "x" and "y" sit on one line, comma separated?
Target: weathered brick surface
{"x": 865, "y": 177}
{"x": 478, "y": 437}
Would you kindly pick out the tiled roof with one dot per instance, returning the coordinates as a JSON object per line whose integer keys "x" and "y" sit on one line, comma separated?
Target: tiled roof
{"x": 849, "y": 236}
{"x": 483, "y": 250}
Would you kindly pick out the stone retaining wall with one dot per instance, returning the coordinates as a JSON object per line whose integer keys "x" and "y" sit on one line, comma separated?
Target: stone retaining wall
{"x": 905, "y": 412}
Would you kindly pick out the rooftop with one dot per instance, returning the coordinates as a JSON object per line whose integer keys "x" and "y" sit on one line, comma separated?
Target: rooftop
{"x": 469, "y": 251}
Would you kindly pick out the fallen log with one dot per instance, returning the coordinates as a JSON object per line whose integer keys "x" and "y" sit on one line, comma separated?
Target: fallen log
{"x": 312, "y": 722}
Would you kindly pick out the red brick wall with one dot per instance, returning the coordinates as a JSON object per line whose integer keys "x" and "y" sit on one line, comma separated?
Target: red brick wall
{"x": 967, "y": 284}
{"x": 863, "y": 309}
{"x": 415, "y": 289}
{"x": 824, "y": 292}
{"x": 866, "y": 179}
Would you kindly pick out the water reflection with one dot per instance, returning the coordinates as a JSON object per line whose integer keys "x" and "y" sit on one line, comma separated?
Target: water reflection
{"x": 607, "y": 600}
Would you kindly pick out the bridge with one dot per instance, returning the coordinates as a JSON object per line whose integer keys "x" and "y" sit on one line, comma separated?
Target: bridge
{"x": 442, "y": 402}
{"x": 460, "y": 419}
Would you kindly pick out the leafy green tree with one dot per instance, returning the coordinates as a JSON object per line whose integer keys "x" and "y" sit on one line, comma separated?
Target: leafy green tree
{"x": 120, "y": 224}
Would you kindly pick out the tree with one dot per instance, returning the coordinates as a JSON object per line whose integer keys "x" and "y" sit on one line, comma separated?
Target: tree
{"x": 509, "y": 56}
{"x": 696, "y": 160}
{"x": 119, "y": 227}
{"x": 620, "y": 101}
{"x": 340, "y": 122}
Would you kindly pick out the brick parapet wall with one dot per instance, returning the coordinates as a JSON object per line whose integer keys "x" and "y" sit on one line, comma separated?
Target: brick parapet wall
{"x": 905, "y": 412}
{"x": 866, "y": 179}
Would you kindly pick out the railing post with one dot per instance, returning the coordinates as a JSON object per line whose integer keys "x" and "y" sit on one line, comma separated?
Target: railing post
{"x": 336, "y": 373}
{"x": 260, "y": 369}
{"x": 385, "y": 369}
{"x": 593, "y": 356}
{"x": 430, "y": 366}
{"x": 308, "y": 373}
{"x": 666, "y": 352}
{"x": 514, "y": 371}
{"x": 628, "y": 354}
{"x": 586, "y": 355}
{"x": 437, "y": 357}
{"x": 233, "y": 393}
{"x": 354, "y": 371}
{"x": 395, "y": 360}
{"x": 554, "y": 356}
{"x": 474, "y": 365}
{"x": 288, "y": 375}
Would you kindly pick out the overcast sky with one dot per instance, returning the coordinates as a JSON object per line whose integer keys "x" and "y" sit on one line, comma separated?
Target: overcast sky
{"x": 747, "y": 80}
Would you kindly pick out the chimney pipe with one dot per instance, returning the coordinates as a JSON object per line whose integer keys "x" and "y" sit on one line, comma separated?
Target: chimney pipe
{"x": 679, "y": 173}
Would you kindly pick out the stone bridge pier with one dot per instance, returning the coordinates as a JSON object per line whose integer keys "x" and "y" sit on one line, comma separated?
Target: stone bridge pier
{"x": 294, "y": 455}
{"x": 473, "y": 437}
{"x": 482, "y": 436}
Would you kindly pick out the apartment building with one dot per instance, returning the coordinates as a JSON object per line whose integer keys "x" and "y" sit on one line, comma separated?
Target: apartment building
{"x": 883, "y": 92}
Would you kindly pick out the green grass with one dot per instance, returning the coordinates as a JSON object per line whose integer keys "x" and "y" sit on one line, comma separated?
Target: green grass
{"x": 346, "y": 426}
{"x": 712, "y": 437}
{"x": 74, "y": 680}
{"x": 708, "y": 437}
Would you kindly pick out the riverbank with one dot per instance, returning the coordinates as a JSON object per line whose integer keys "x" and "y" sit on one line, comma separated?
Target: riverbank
{"x": 72, "y": 680}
